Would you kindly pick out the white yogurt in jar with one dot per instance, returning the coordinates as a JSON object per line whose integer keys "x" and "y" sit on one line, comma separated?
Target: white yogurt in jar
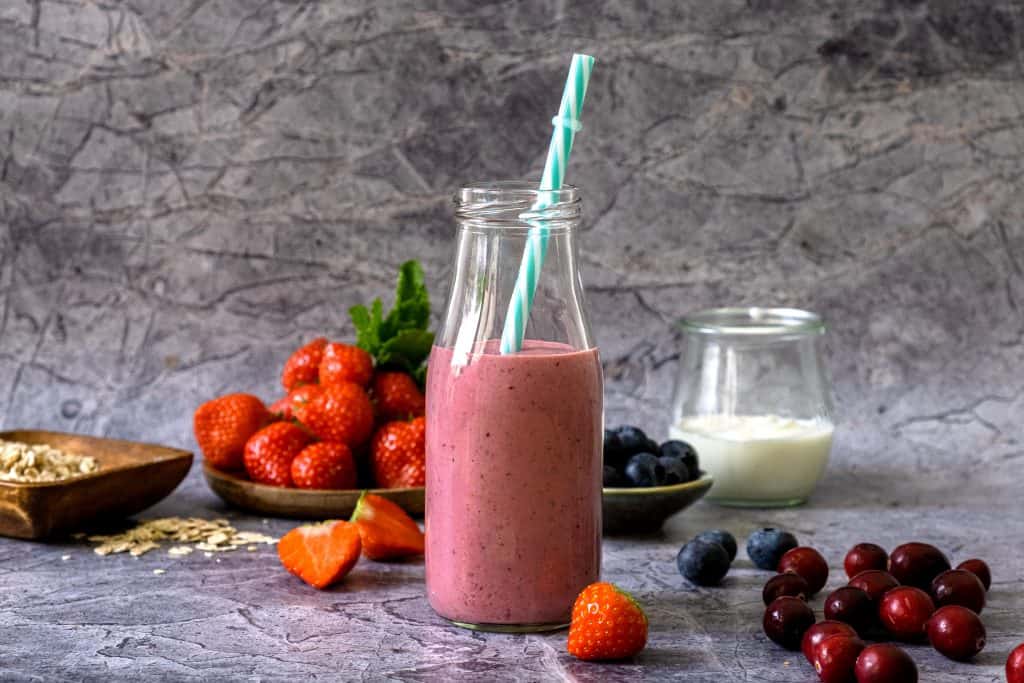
{"x": 758, "y": 459}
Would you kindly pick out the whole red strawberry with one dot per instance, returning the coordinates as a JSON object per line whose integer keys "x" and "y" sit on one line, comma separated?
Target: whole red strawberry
{"x": 339, "y": 412}
{"x": 324, "y": 465}
{"x": 270, "y": 451}
{"x": 284, "y": 408}
{"x": 303, "y": 366}
{"x": 344, "y": 363}
{"x": 223, "y": 425}
{"x": 607, "y": 623}
{"x": 398, "y": 454}
{"x": 397, "y": 396}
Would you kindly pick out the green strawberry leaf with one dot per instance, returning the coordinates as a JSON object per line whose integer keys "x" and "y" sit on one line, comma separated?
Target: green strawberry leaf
{"x": 412, "y": 302}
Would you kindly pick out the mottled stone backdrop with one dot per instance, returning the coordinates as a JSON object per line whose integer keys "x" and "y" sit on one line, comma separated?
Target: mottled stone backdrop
{"x": 190, "y": 188}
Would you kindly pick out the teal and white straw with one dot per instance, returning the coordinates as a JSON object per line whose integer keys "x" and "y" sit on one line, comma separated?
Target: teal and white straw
{"x": 566, "y": 124}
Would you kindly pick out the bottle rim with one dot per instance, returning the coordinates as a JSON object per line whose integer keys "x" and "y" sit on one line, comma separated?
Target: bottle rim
{"x": 517, "y": 204}
{"x": 753, "y": 321}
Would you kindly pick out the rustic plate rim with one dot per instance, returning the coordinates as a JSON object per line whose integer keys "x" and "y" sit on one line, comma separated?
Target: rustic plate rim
{"x": 173, "y": 453}
{"x": 209, "y": 470}
{"x": 704, "y": 480}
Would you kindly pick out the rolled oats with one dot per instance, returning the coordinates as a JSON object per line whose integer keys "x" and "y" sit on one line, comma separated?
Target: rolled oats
{"x": 209, "y": 536}
{"x": 38, "y": 463}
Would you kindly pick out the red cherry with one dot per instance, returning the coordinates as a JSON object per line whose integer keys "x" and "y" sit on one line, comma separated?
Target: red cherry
{"x": 979, "y": 569}
{"x": 875, "y": 583}
{"x": 821, "y": 631}
{"x": 885, "y": 663}
{"x": 835, "y": 658}
{"x": 808, "y": 563}
{"x": 905, "y": 611}
{"x": 1015, "y": 665}
{"x": 786, "y": 620}
{"x": 916, "y": 564}
{"x": 956, "y": 632}
{"x": 959, "y": 587}
{"x": 851, "y": 606}
{"x": 785, "y": 584}
{"x": 865, "y": 556}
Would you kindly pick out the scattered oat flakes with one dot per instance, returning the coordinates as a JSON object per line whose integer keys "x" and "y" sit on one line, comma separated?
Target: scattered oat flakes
{"x": 207, "y": 535}
{"x": 251, "y": 549}
{"x": 158, "y": 572}
{"x": 39, "y": 462}
{"x": 65, "y": 558}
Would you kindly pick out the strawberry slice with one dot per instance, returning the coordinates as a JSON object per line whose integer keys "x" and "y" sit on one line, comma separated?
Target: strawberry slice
{"x": 388, "y": 533}
{"x": 320, "y": 554}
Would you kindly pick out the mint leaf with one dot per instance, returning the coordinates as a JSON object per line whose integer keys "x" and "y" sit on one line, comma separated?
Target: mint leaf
{"x": 407, "y": 349}
{"x": 368, "y": 326}
{"x": 412, "y": 302}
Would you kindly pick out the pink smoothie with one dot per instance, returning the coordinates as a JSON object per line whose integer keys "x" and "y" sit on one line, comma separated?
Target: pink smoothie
{"x": 513, "y": 518}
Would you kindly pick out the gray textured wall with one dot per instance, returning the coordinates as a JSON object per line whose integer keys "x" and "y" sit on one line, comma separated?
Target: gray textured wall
{"x": 188, "y": 189}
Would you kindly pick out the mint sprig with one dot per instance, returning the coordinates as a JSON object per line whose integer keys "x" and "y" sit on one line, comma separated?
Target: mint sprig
{"x": 401, "y": 340}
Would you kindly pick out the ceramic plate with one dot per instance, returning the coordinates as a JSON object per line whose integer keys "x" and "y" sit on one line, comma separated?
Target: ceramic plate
{"x": 644, "y": 510}
{"x": 131, "y": 477}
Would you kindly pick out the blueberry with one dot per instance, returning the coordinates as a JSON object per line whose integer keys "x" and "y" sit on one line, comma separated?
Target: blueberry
{"x": 613, "y": 478}
{"x": 651, "y": 446}
{"x": 643, "y": 469}
{"x": 683, "y": 451}
{"x": 702, "y": 562}
{"x": 722, "y": 538}
{"x": 614, "y": 453}
{"x": 767, "y": 546}
{"x": 632, "y": 439}
{"x": 676, "y": 471}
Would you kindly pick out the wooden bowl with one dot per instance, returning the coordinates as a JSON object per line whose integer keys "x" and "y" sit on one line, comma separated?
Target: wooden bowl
{"x": 644, "y": 510}
{"x": 131, "y": 477}
{"x": 277, "y": 501}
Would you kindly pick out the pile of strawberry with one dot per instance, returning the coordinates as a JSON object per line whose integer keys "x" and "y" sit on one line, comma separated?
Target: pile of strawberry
{"x": 353, "y": 415}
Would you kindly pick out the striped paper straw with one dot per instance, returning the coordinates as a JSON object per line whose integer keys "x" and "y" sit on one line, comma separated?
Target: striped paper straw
{"x": 566, "y": 124}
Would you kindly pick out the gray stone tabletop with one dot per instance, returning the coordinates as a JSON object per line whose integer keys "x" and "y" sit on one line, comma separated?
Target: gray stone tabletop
{"x": 69, "y": 614}
{"x": 190, "y": 188}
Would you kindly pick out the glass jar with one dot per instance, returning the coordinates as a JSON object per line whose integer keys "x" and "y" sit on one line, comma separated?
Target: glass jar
{"x": 514, "y": 441}
{"x": 753, "y": 398}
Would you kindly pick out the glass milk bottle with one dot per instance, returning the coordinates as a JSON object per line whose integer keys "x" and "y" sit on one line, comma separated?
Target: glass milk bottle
{"x": 513, "y": 509}
{"x": 753, "y": 398}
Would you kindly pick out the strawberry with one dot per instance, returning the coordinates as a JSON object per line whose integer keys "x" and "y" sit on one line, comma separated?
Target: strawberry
{"x": 387, "y": 531}
{"x": 303, "y": 366}
{"x": 324, "y": 465}
{"x": 398, "y": 454}
{"x": 320, "y": 554}
{"x": 339, "y": 412}
{"x": 344, "y": 363}
{"x": 397, "y": 396}
{"x": 607, "y": 623}
{"x": 270, "y": 451}
{"x": 284, "y": 408}
{"x": 223, "y": 425}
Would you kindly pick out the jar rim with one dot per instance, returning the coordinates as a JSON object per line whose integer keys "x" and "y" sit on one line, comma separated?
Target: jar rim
{"x": 516, "y": 204}
{"x": 753, "y": 321}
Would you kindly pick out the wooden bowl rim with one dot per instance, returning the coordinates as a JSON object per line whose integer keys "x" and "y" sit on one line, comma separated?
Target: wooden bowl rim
{"x": 705, "y": 480}
{"x": 213, "y": 472}
{"x": 161, "y": 453}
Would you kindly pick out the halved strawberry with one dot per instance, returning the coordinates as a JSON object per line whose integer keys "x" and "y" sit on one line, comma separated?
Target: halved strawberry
{"x": 303, "y": 366}
{"x": 320, "y": 554}
{"x": 387, "y": 531}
